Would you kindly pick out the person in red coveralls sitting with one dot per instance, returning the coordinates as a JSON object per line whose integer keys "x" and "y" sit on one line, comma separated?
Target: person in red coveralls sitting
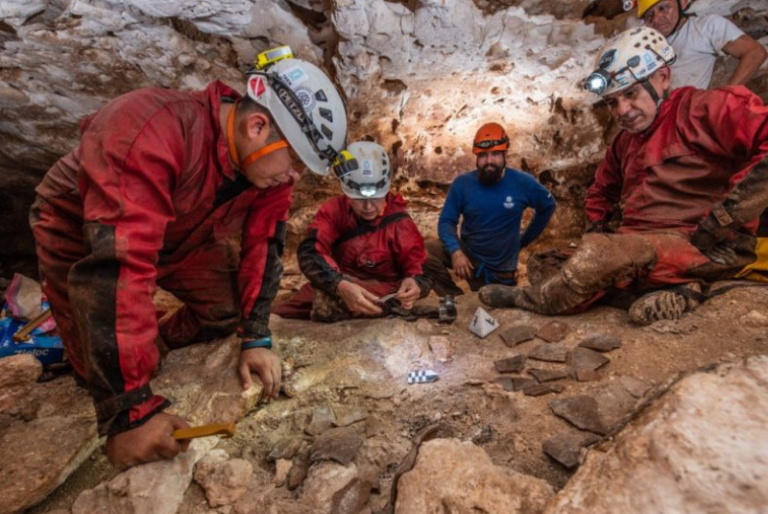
{"x": 159, "y": 190}
{"x": 688, "y": 177}
{"x": 361, "y": 246}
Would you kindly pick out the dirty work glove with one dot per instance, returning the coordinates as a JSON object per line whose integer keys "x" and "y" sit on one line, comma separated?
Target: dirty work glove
{"x": 712, "y": 229}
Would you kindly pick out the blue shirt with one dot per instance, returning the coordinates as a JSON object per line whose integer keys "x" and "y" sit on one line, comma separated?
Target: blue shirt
{"x": 490, "y": 228}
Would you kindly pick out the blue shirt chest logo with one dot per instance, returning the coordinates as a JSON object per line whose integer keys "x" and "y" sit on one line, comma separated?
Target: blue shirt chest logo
{"x": 508, "y": 203}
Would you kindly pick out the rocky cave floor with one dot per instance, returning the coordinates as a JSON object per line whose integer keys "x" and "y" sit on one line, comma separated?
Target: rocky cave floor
{"x": 357, "y": 371}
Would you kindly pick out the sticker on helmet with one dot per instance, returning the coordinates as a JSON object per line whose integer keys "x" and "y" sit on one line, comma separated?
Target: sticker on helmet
{"x": 607, "y": 59}
{"x": 306, "y": 98}
{"x": 256, "y": 86}
{"x": 294, "y": 76}
{"x": 367, "y": 169}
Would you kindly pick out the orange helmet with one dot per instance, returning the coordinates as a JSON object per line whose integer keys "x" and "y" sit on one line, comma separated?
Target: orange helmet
{"x": 490, "y": 138}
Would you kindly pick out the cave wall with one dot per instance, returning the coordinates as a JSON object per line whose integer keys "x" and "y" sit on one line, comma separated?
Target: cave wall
{"x": 419, "y": 76}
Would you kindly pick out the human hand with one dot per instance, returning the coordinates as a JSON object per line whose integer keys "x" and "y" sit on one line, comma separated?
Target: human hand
{"x": 709, "y": 232}
{"x": 408, "y": 293}
{"x": 461, "y": 265}
{"x": 146, "y": 443}
{"x": 358, "y": 299}
{"x": 266, "y": 364}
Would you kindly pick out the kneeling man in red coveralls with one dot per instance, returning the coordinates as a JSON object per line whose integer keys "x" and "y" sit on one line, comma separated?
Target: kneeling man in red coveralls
{"x": 161, "y": 185}
{"x": 361, "y": 246}
{"x": 689, "y": 178}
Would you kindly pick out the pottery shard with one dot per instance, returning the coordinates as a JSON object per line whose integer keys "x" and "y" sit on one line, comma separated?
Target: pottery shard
{"x": 549, "y": 352}
{"x": 339, "y": 444}
{"x": 600, "y": 342}
{"x": 514, "y": 383}
{"x": 459, "y": 477}
{"x": 566, "y": 448}
{"x": 224, "y": 480}
{"x": 351, "y": 498}
{"x": 548, "y": 375}
{"x": 580, "y": 411}
{"x": 584, "y": 361}
{"x": 541, "y": 389}
{"x": 442, "y": 348}
{"x": 511, "y": 365}
{"x": 553, "y": 332}
{"x": 634, "y": 386}
{"x": 513, "y": 336}
{"x": 285, "y": 449}
{"x": 322, "y": 419}
{"x": 347, "y": 415}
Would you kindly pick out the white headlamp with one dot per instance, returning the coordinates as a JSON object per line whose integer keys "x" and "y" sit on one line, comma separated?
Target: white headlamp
{"x": 598, "y": 82}
{"x": 368, "y": 190}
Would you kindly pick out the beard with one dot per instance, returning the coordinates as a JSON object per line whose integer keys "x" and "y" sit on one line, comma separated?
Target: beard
{"x": 490, "y": 174}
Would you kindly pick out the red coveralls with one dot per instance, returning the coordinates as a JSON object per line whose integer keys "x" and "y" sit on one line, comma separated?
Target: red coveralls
{"x": 665, "y": 179}
{"x": 379, "y": 254}
{"x": 148, "y": 198}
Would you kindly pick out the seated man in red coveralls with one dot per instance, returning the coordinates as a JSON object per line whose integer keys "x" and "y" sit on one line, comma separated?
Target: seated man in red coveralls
{"x": 689, "y": 178}
{"x": 361, "y": 246}
{"x": 160, "y": 186}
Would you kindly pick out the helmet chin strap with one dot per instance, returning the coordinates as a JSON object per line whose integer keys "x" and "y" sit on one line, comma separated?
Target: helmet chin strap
{"x": 253, "y": 156}
{"x": 652, "y": 91}
{"x": 680, "y": 15}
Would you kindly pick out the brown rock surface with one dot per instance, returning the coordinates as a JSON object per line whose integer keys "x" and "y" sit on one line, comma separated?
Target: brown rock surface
{"x": 18, "y": 374}
{"x": 455, "y": 476}
{"x": 36, "y": 457}
{"x": 700, "y": 449}
{"x": 224, "y": 480}
{"x": 153, "y": 488}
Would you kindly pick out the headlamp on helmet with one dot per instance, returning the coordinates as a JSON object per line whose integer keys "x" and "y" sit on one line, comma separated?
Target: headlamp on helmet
{"x": 363, "y": 169}
{"x": 597, "y": 82}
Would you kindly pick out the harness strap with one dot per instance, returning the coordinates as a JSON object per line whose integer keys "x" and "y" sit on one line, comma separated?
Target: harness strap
{"x": 367, "y": 229}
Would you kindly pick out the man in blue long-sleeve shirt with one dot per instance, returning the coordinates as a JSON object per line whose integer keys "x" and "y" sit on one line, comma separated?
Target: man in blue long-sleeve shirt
{"x": 491, "y": 200}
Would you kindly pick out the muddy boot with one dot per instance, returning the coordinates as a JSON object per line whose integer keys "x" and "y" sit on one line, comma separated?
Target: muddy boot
{"x": 327, "y": 309}
{"x": 554, "y": 296}
{"x": 664, "y": 305}
{"x": 501, "y": 296}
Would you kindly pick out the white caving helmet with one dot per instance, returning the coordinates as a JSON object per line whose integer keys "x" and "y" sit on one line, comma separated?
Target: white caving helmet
{"x": 364, "y": 171}
{"x": 632, "y": 56}
{"x": 305, "y": 105}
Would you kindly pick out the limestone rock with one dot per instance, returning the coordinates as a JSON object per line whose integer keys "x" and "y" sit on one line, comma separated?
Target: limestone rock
{"x": 348, "y": 414}
{"x": 18, "y": 374}
{"x": 442, "y": 347}
{"x": 282, "y": 469}
{"x": 38, "y": 456}
{"x": 701, "y": 448}
{"x": 323, "y": 418}
{"x": 351, "y": 498}
{"x": 153, "y": 488}
{"x": 324, "y": 480}
{"x": 224, "y": 480}
{"x": 455, "y": 476}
